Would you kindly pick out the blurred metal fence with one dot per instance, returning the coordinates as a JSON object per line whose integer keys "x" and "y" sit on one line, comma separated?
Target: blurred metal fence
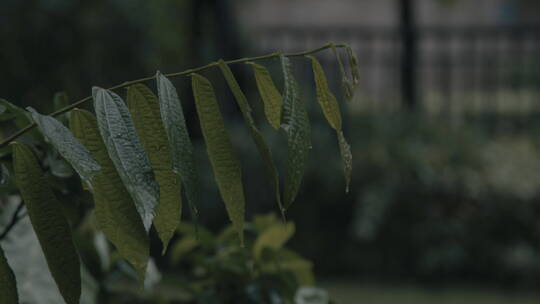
{"x": 460, "y": 70}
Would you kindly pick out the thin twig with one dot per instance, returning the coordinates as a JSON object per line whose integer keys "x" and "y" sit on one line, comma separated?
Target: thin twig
{"x": 14, "y": 220}
{"x": 183, "y": 73}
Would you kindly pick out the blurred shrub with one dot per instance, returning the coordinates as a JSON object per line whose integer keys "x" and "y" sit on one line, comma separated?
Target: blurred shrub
{"x": 214, "y": 269}
{"x": 432, "y": 200}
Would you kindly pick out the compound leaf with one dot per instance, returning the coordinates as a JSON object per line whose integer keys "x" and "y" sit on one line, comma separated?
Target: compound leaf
{"x": 126, "y": 151}
{"x": 298, "y": 130}
{"x": 115, "y": 211}
{"x": 258, "y": 138}
{"x": 49, "y": 223}
{"x": 225, "y": 165}
{"x": 272, "y": 100}
{"x": 144, "y": 108}
{"x": 8, "y": 284}
{"x": 67, "y": 145}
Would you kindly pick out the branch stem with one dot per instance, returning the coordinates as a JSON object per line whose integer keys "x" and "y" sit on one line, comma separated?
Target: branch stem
{"x": 14, "y": 219}
{"x": 177, "y": 74}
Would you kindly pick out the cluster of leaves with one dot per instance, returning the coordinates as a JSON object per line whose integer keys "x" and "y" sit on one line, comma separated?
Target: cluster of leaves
{"x": 136, "y": 158}
{"x": 215, "y": 267}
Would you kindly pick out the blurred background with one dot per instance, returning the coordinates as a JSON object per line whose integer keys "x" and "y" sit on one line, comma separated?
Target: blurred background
{"x": 445, "y": 126}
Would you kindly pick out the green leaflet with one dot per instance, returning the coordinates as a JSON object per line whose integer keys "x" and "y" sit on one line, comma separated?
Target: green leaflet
{"x": 126, "y": 151}
{"x": 67, "y": 145}
{"x": 183, "y": 160}
{"x": 298, "y": 130}
{"x": 273, "y": 102}
{"x": 326, "y": 99}
{"x": 8, "y": 284}
{"x": 50, "y": 225}
{"x": 330, "y": 108}
{"x": 263, "y": 148}
{"x": 226, "y": 166}
{"x": 144, "y": 108}
{"x": 115, "y": 211}
{"x": 346, "y": 85}
{"x": 274, "y": 238}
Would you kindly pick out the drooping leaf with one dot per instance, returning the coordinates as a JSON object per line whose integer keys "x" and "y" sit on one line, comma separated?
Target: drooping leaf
{"x": 272, "y": 100}
{"x": 2, "y": 108}
{"x": 115, "y": 211}
{"x": 67, "y": 145}
{"x": 126, "y": 151}
{"x": 353, "y": 64}
{"x": 346, "y": 156}
{"x": 258, "y": 138}
{"x": 144, "y": 108}
{"x": 226, "y": 166}
{"x": 274, "y": 238}
{"x": 331, "y": 111}
{"x": 326, "y": 99}
{"x": 298, "y": 130}
{"x": 49, "y": 223}
{"x": 8, "y": 284}
{"x": 183, "y": 160}
{"x": 346, "y": 85}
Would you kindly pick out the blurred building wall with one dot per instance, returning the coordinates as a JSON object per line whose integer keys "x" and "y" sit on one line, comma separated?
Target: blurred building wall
{"x": 263, "y": 13}
{"x": 472, "y": 54}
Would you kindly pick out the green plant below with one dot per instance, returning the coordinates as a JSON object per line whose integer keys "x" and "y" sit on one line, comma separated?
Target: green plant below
{"x": 215, "y": 267}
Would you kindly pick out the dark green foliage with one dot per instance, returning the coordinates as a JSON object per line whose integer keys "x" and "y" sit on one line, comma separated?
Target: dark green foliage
{"x": 49, "y": 223}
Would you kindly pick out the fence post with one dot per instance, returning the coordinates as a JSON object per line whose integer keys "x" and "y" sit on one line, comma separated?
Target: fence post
{"x": 409, "y": 54}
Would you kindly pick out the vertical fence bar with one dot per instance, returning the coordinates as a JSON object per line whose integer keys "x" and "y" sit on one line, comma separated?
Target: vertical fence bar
{"x": 408, "y": 54}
